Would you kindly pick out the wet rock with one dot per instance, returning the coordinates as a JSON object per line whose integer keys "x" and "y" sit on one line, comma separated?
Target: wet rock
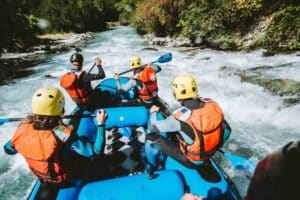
{"x": 226, "y": 71}
{"x": 168, "y": 41}
{"x": 291, "y": 102}
{"x": 149, "y": 49}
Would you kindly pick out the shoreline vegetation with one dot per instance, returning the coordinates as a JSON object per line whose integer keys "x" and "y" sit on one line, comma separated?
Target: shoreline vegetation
{"x": 35, "y": 28}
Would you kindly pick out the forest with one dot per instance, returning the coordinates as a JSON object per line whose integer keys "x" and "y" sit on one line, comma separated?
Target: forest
{"x": 218, "y": 24}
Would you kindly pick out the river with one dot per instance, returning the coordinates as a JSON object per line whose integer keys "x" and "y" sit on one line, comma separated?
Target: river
{"x": 259, "y": 95}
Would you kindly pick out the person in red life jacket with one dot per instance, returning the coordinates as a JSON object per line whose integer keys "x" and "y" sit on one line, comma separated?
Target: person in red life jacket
{"x": 78, "y": 84}
{"x": 277, "y": 176}
{"x": 42, "y": 137}
{"x": 144, "y": 81}
{"x": 199, "y": 125}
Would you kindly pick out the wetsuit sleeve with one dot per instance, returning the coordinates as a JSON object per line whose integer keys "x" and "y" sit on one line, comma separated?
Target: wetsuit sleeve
{"x": 87, "y": 77}
{"x": 86, "y": 148}
{"x": 170, "y": 124}
{"x": 99, "y": 139}
{"x": 8, "y": 148}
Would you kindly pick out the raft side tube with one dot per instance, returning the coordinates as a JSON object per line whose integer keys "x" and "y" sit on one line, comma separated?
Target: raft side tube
{"x": 167, "y": 185}
{"x": 118, "y": 117}
{"x": 199, "y": 186}
{"x": 110, "y": 86}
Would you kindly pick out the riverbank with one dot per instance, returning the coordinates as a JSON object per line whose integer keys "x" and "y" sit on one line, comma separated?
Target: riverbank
{"x": 49, "y": 43}
{"x": 19, "y": 64}
{"x": 235, "y": 25}
{"x": 241, "y": 45}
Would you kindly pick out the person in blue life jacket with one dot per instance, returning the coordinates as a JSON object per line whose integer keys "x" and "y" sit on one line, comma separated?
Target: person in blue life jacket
{"x": 277, "y": 176}
{"x": 77, "y": 83}
{"x": 42, "y": 139}
{"x": 144, "y": 82}
{"x": 199, "y": 125}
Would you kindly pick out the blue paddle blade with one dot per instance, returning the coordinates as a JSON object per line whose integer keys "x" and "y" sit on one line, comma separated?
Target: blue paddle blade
{"x": 241, "y": 163}
{"x": 164, "y": 58}
{"x": 4, "y": 120}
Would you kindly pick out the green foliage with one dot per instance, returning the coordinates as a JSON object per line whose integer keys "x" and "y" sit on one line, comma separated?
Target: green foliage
{"x": 126, "y": 10}
{"x": 19, "y": 18}
{"x": 78, "y": 16}
{"x": 240, "y": 15}
{"x": 284, "y": 30}
{"x": 161, "y": 16}
{"x": 17, "y": 25}
{"x": 207, "y": 23}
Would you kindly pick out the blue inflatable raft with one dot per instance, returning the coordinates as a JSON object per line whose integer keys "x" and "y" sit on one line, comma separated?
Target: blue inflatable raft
{"x": 171, "y": 180}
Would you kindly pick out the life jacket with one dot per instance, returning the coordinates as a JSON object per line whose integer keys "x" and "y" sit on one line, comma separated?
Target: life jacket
{"x": 149, "y": 87}
{"x": 204, "y": 126}
{"x": 70, "y": 82}
{"x": 41, "y": 149}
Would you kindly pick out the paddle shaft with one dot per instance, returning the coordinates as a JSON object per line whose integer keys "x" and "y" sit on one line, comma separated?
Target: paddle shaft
{"x": 129, "y": 70}
{"x": 15, "y": 119}
{"x": 162, "y": 59}
{"x": 91, "y": 68}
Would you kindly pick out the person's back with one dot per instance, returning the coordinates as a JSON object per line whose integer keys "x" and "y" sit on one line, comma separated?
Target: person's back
{"x": 78, "y": 83}
{"x": 199, "y": 125}
{"x": 144, "y": 81}
{"x": 41, "y": 138}
{"x": 201, "y": 120}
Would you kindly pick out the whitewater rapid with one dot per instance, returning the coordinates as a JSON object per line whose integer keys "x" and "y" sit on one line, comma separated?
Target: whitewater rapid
{"x": 260, "y": 121}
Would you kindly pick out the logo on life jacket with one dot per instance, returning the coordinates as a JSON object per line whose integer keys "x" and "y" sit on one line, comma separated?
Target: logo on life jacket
{"x": 40, "y": 149}
{"x": 70, "y": 82}
{"x": 149, "y": 84}
{"x": 206, "y": 125}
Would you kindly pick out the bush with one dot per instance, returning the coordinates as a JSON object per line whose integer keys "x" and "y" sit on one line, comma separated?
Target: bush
{"x": 160, "y": 16}
{"x": 199, "y": 19}
{"x": 284, "y": 30}
{"x": 17, "y": 25}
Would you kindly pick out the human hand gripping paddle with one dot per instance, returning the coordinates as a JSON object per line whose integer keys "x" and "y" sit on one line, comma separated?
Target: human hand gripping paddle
{"x": 98, "y": 61}
{"x": 162, "y": 59}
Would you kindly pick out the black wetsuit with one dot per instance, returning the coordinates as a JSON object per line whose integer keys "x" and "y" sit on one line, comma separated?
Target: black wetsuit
{"x": 97, "y": 97}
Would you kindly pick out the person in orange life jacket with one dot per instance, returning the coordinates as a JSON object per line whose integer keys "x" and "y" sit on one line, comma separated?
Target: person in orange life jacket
{"x": 78, "y": 84}
{"x": 199, "y": 125}
{"x": 144, "y": 81}
{"x": 277, "y": 176}
{"x": 41, "y": 139}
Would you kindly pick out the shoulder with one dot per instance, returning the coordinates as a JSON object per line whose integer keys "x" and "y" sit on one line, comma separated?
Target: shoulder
{"x": 22, "y": 129}
{"x": 182, "y": 113}
{"x": 67, "y": 79}
{"x": 207, "y": 100}
{"x": 62, "y": 132}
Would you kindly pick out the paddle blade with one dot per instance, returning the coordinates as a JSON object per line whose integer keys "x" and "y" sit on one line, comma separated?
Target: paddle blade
{"x": 241, "y": 163}
{"x": 164, "y": 58}
{"x": 4, "y": 120}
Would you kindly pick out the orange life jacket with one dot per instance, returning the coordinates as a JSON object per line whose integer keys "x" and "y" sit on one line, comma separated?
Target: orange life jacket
{"x": 70, "y": 82}
{"x": 149, "y": 84}
{"x": 41, "y": 149}
{"x": 207, "y": 125}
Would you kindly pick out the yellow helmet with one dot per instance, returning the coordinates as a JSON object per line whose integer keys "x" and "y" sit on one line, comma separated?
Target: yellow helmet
{"x": 48, "y": 101}
{"x": 184, "y": 87}
{"x": 135, "y": 62}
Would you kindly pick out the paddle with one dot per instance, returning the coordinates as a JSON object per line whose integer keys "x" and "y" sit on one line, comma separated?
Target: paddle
{"x": 92, "y": 68}
{"x": 240, "y": 163}
{"x": 162, "y": 59}
{"x": 5, "y": 120}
